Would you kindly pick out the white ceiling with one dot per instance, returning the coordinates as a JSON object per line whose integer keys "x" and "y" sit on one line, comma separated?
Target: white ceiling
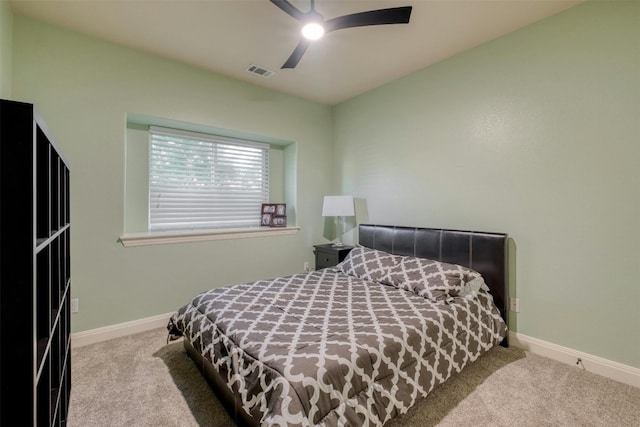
{"x": 226, "y": 36}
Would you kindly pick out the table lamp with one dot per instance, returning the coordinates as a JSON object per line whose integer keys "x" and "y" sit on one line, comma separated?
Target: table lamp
{"x": 338, "y": 207}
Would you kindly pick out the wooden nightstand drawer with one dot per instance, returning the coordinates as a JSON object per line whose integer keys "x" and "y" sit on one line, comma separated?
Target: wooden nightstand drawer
{"x": 329, "y": 255}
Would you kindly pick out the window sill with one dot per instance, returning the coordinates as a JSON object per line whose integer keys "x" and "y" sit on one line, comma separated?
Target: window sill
{"x": 167, "y": 237}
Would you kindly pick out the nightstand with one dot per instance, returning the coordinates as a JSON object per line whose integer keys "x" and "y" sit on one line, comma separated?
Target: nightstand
{"x": 329, "y": 255}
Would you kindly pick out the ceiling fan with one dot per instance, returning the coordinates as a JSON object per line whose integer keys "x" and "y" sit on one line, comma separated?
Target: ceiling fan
{"x": 315, "y": 26}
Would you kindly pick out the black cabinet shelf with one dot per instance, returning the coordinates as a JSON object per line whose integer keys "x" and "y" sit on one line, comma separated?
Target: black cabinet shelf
{"x": 35, "y": 273}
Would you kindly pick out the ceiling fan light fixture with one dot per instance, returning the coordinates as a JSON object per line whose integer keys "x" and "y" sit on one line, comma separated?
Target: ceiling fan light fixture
{"x": 312, "y": 31}
{"x": 314, "y": 25}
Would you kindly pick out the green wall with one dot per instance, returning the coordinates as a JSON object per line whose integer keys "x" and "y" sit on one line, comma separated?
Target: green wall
{"x": 84, "y": 89}
{"x": 6, "y": 49}
{"x": 536, "y": 134}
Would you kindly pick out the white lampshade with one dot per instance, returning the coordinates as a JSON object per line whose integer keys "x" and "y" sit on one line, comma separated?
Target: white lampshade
{"x": 338, "y": 206}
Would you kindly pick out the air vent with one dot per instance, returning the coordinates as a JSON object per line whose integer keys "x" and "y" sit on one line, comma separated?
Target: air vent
{"x": 262, "y": 72}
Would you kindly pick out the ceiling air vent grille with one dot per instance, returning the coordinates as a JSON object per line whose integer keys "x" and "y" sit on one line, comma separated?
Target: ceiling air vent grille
{"x": 260, "y": 71}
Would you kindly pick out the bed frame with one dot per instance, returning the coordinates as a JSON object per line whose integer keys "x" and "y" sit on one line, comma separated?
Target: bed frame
{"x": 485, "y": 253}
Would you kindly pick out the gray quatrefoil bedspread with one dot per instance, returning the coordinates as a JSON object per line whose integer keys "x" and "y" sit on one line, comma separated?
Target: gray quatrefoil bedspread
{"x": 326, "y": 348}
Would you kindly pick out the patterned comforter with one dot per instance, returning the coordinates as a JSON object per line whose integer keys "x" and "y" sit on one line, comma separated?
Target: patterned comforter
{"x": 325, "y": 348}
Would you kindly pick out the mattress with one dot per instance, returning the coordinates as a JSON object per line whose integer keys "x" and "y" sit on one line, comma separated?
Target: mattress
{"x": 327, "y": 348}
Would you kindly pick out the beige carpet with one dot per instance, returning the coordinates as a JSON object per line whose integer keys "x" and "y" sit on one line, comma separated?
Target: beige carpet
{"x": 140, "y": 381}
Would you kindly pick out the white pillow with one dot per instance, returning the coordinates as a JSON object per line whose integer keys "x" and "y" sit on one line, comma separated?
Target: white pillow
{"x": 471, "y": 288}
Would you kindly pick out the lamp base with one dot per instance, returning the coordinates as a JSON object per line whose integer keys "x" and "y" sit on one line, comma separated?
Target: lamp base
{"x": 338, "y": 245}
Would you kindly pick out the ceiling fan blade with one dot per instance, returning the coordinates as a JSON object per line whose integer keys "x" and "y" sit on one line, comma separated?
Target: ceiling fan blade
{"x": 288, "y": 8}
{"x": 297, "y": 54}
{"x": 394, "y": 15}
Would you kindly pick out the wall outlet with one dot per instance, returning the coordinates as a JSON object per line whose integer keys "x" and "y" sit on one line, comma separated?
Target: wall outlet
{"x": 306, "y": 267}
{"x": 514, "y": 305}
{"x": 75, "y": 305}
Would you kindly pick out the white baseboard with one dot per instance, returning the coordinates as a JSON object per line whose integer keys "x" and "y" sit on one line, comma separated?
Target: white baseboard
{"x": 92, "y": 336}
{"x": 607, "y": 368}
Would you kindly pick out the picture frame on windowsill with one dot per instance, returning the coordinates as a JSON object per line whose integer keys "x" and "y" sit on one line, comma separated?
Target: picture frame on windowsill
{"x": 266, "y": 220}
{"x": 278, "y": 221}
{"x": 269, "y": 208}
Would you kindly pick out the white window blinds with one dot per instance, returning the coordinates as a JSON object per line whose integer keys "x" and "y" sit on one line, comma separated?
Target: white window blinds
{"x": 199, "y": 181}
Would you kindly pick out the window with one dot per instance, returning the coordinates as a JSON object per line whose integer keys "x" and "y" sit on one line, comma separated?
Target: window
{"x": 182, "y": 143}
{"x": 201, "y": 181}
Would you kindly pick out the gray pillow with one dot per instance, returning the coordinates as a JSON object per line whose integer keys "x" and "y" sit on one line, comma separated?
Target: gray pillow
{"x": 430, "y": 279}
{"x": 368, "y": 264}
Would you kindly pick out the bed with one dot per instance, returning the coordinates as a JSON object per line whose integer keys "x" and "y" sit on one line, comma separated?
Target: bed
{"x": 357, "y": 344}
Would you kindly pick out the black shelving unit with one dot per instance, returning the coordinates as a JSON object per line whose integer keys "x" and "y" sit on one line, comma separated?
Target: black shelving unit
{"x": 35, "y": 274}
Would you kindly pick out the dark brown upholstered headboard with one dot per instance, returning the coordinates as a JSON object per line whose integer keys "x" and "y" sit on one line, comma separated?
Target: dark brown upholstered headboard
{"x": 485, "y": 253}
